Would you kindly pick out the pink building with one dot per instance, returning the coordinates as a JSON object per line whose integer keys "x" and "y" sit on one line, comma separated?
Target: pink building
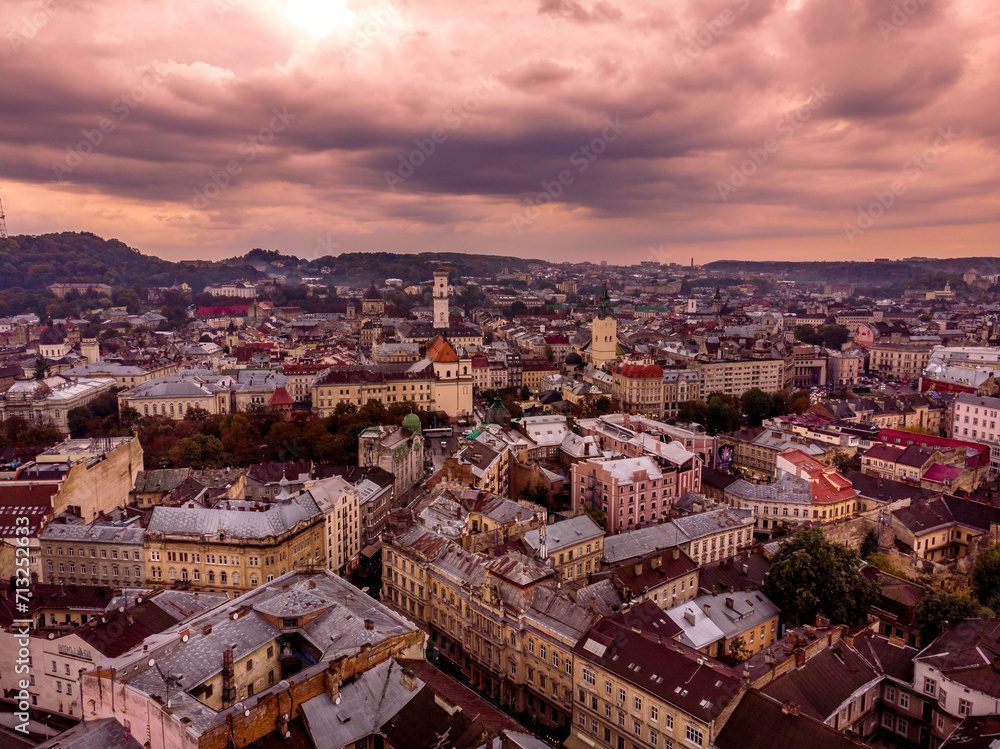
{"x": 632, "y": 492}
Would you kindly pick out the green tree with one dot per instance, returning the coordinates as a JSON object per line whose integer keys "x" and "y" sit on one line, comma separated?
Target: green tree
{"x": 77, "y": 420}
{"x": 597, "y": 515}
{"x": 525, "y": 393}
{"x": 946, "y": 607}
{"x": 757, "y": 406}
{"x": 736, "y": 653}
{"x": 692, "y": 411}
{"x": 986, "y": 578}
{"x": 811, "y": 575}
{"x": 41, "y": 368}
{"x": 869, "y": 545}
{"x": 198, "y": 451}
{"x": 722, "y": 413}
{"x": 39, "y": 436}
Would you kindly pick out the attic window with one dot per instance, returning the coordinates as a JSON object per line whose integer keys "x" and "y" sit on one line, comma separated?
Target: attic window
{"x": 289, "y": 623}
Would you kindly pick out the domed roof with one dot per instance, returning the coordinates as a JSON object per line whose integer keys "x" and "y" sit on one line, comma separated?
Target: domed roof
{"x": 372, "y": 293}
{"x": 498, "y": 414}
{"x": 51, "y": 335}
{"x": 412, "y": 422}
{"x": 573, "y": 359}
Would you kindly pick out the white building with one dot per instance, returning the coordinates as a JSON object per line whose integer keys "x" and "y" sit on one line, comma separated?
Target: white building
{"x": 976, "y": 418}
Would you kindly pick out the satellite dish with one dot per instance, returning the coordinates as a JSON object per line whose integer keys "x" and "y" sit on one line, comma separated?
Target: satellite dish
{"x": 52, "y": 635}
{"x": 288, "y": 734}
{"x": 121, "y": 609}
{"x": 152, "y": 662}
{"x": 246, "y": 713}
{"x": 337, "y": 701}
{"x": 185, "y": 638}
{"x": 236, "y": 615}
{"x": 139, "y": 599}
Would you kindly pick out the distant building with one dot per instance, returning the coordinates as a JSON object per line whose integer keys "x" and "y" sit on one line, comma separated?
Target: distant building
{"x": 398, "y": 450}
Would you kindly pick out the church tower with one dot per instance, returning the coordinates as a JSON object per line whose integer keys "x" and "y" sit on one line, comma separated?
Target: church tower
{"x": 440, "y": 300}
{"x": 604, "y": 333}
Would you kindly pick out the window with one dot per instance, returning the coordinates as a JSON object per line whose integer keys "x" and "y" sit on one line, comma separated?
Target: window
{"x": 654, "y": 713}
{"x": 693, "y": 735}
{"x": 589, "y": 676}
{"x": 904, "y": 700}
{"x": 637, "y": 727}
{"x": 964, "y": 708}
{"x": 621, "y": 696}
{"x": 638, "y": 703}
{"x": 930, "y": 686}
{"x": 902, "y": 726}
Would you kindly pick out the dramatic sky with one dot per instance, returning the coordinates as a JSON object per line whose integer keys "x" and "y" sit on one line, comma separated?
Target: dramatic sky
{"x": 624, "y": 130}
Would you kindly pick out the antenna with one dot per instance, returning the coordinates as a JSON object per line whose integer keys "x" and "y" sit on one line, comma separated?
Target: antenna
{"x": 3, "y": 223}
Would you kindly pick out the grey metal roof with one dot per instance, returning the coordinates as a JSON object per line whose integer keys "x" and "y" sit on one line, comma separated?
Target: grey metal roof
{"x": 202, "y": 521}
{"x": 643, "y": 541}
{"x": 366, "y": 703}
{"x": 714, "y": 521}
{"x": 110, "y": 534}
{"x": 105, "y": 733}
{"x": 565, "y": 533}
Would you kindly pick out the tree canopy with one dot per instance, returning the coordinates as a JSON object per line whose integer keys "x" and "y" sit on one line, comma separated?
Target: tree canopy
{"x": 810, "y": 576}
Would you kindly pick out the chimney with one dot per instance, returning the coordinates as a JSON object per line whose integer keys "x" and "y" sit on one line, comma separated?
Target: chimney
{"x": 655, "y": 562}
{"x": 408, "y": 679}
{"x": 800, "y": 658}
{"x": 789, "y": 708}
{"x": 822, "y": 622}
{"x": 676, "y": 553}
{"x": 729, "y": 602}
{"x": 638, "y": 569}
{"x": 708, "y": 609}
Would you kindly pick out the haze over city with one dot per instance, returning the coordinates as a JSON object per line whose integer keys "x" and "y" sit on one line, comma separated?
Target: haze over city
{"x": 744, "y": 129}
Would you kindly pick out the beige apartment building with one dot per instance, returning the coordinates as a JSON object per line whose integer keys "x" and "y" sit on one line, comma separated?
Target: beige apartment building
{"x": 340, "y": 502}
{"x": 899, "y": 360}
{"x": 637, "y": 689}
{"x": 738, "y": 376}
{"x": 494, "y": 618}
{"x": 92, "y": 555}
{"x": 235, "y": 546}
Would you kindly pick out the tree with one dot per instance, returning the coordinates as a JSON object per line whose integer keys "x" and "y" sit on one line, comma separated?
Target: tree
{"x": 986, "y": 578}
{"x": 869, "y": 545}
{"x": 736, "y": 653}
{"x": 597, "y": 515}
{"x": 41, "y": 368}
{"x": 811, "y": 575}
{"x": 525, "y": 393}
{"x": 844, "y": 462}
{"x": 721, "y": 413}
{"x": 692, "y": 411}
{"x": 77, "y": 420}
{"x": 881, "y": 561}
{"x": 942, "y": 607}
{"x": 39, "y": 436}
{"x": 198, "y": 451}
{"x": 757, "y": 406}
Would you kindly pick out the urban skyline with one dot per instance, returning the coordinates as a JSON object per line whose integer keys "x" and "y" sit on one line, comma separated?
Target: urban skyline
{"x": 738, "y": 130}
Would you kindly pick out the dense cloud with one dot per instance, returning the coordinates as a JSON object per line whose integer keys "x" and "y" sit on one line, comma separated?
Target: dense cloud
{"x": 551, "y": 128}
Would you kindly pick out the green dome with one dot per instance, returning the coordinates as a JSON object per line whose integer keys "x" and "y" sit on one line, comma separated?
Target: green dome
{"x": 412, "y": 422}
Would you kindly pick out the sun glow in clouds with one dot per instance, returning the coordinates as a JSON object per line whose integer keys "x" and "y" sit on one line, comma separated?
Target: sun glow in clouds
{"x": 320, "y": 17}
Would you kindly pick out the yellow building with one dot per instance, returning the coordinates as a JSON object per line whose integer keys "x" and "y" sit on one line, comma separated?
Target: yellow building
{"x": 235, "y": 546}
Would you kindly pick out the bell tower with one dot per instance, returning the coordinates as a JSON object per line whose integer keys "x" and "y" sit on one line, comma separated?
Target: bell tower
{"x": 440, "y": 300}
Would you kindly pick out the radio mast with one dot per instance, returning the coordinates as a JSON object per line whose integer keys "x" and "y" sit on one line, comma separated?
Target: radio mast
{"x": 3, "y": 223}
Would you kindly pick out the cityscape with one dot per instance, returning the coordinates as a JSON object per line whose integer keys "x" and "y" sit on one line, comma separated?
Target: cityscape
{"x": 587, "y": 374}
